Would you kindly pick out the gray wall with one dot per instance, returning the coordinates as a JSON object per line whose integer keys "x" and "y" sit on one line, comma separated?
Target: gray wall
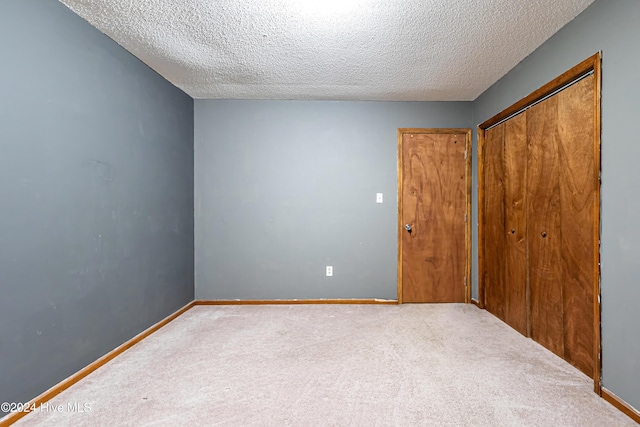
{"x": 610, "y": 26}
{"x": 284, "y": 188}
{"x": 96, "y": 187}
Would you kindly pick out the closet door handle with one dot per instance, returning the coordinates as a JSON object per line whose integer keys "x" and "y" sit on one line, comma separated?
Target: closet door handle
{"x": 408, "y": 227}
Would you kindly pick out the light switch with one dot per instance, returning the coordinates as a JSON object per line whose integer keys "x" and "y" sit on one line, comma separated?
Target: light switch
{"x": 378, "y": 197}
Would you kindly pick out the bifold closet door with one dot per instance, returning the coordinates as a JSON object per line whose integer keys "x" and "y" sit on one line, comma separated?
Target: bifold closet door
{"x": 494, "y": 214}
{"x": 578, "y": 189}
{"x": 543, "y": 222}
{"x": 515, "y": 195}
{"x": 560, "y": 221}
{"x": 539, "y": 211}
{"x": 505, "y": 219}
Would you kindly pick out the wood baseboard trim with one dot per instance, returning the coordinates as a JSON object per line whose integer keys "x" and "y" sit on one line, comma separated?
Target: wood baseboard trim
{"x": 621, "y": 405}
{"x": 295, "y": 301}
{"x": 82, "y": 373}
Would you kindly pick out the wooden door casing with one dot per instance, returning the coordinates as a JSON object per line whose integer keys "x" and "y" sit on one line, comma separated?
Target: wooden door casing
{"x": 433, "y": 199}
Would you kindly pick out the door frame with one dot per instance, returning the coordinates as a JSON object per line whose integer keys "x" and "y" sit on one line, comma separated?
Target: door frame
{"x": 467, "y": 174}
{"x": 589, "y": 65}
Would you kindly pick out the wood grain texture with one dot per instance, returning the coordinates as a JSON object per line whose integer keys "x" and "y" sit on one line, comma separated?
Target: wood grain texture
{"x": 494, "y": 222}
{"x": 434, "y": 204}
{"x": 544, "y": 227}
{"x": 515, "y": 193}
{"x": 577, "y": 187}
{"x": 82, "y": 373}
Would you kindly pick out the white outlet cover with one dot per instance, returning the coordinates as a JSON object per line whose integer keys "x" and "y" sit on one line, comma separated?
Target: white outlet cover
{"x": 329, "y": 270}
{"x": 379, "y": 198}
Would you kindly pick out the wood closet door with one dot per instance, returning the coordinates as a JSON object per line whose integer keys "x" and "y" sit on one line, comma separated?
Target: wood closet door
{"x": 494, "y": 222}
{"x": 505, "y": 222}
{"x": 515, "y": 195}
{"x": 561, "y": 215}
{"x": 543, "y": 221}
{"x": 578, "y": 192}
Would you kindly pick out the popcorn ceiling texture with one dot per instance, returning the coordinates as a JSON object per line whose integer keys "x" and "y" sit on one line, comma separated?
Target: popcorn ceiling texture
{"x": 413, "y": 50}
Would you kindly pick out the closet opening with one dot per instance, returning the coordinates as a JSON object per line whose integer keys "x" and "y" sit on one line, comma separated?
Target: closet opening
{"x": 539, "y": 216}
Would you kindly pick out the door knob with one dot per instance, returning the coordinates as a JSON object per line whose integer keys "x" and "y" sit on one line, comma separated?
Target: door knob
{"x": 408, "y": 227}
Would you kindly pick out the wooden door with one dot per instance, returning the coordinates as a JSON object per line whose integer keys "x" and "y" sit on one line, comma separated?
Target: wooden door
{"x": 515, "y": 202}
{"x": 543, "y": 221}
{"x": 434, "y": 196}
{"x": 505, "y": 244}
{"x": 578, "y": 193}
{"x": 562, "y": 191}
{"x": 494, "y": 242}
{"x": 539, "y": 223}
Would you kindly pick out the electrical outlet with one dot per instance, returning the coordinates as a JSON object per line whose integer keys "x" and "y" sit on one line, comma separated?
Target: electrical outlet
{"x": 329, "y": 270}
{"x": 378, "y": 197}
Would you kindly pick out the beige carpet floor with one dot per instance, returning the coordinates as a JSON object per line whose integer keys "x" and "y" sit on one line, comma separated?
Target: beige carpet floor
{"x": 334, "y": 365}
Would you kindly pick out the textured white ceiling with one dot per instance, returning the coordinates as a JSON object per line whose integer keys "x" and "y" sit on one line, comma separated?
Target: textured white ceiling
{"x": 415, "y": 50}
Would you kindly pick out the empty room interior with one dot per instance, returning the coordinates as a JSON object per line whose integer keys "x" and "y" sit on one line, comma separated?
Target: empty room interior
{"x": 290, "y": 212}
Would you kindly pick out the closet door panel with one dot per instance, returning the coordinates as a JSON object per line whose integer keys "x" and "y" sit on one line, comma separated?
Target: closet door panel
{"x": 577, "y": 195}
{"x": 543, "y": 223}
{"x": 494, "y": 240}
{"x": 515, "y": 160}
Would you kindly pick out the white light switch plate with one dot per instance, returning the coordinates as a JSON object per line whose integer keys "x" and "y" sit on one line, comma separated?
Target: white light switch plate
{"x": 378, "y": 197}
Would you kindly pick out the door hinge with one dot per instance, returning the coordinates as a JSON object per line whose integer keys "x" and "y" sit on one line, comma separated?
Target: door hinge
{"x": 466, "y": 154}
{"x": 465, "y": 218}
{"x": 465, "y": 281}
